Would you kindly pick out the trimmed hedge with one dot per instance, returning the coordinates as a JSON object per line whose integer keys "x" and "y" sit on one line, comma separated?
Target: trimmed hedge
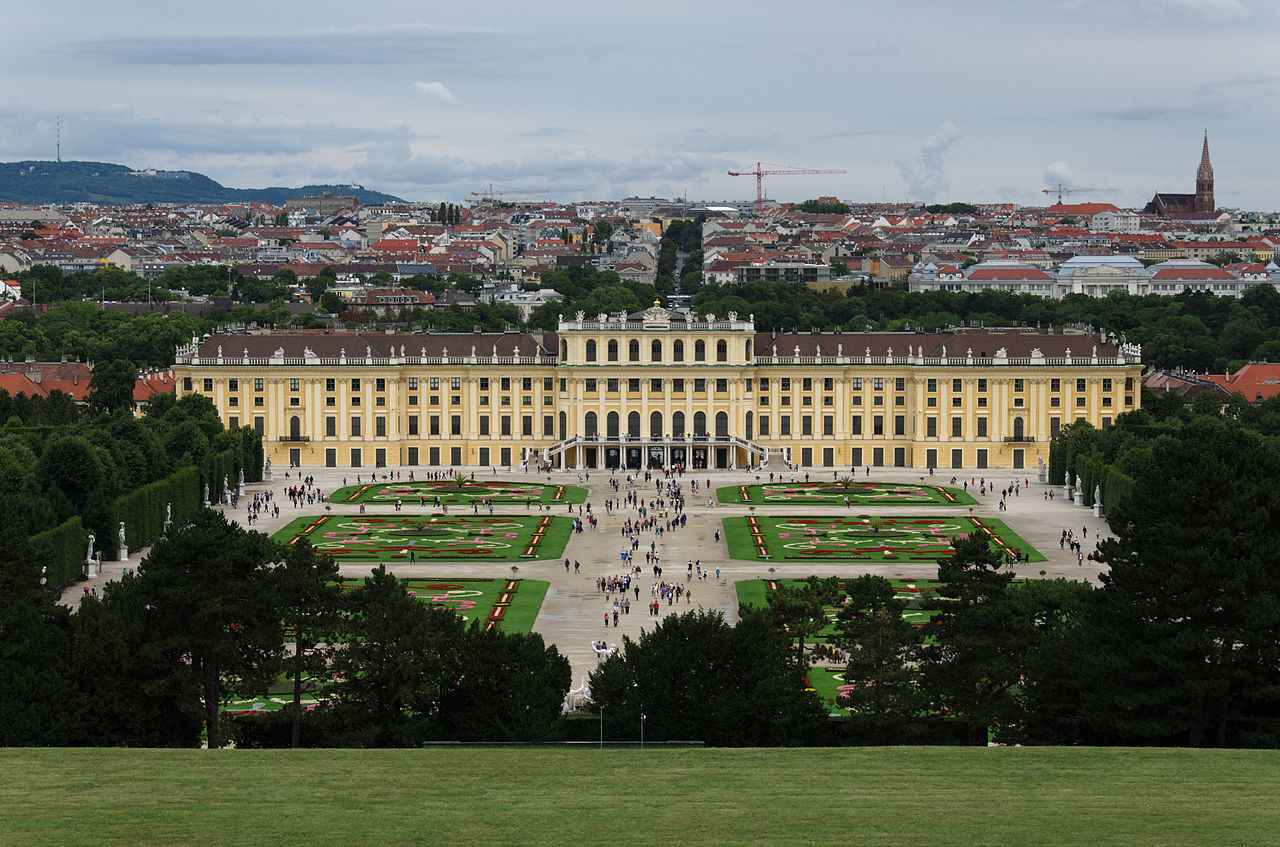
{"x": 62, "y": 550}
{"x": 143, "y": 510}
{"x": 1093, "y": 472}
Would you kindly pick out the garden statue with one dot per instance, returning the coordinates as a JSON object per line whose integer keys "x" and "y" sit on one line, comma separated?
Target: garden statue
{"x": 240, "y": 483}
{"x": 90, "y": 563}
{"x": 168, "y": 515}
{"x": 204, "y": 499}
{"x": 266, "y": 472}
{"x": 124, "y": 548}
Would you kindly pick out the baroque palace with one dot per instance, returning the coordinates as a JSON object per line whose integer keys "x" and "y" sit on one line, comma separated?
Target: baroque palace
{"x": 662, "y": 387}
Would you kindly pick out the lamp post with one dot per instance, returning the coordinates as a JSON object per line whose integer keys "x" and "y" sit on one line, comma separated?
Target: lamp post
{"x": 642, "y": 717}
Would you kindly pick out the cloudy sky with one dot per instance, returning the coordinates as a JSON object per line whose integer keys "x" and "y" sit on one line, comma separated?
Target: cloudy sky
{"x": 980, "y": 100}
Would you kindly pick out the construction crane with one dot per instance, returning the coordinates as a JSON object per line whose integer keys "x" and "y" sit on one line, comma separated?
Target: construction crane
{"x": 760, "y": 172}
{"x": 1063, "y": 189}
{"x": 493, "y": 195}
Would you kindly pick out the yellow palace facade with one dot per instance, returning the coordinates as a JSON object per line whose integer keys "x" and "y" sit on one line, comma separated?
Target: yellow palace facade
{"x": 662, "y": 387}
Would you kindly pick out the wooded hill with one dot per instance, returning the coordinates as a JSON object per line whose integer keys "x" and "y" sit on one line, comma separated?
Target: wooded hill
{"x": 108, "y": 184}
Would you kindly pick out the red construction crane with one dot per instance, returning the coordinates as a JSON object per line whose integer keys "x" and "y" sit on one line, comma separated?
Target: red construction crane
{"x": 759, "y": 172}
{"x": 1066, "y": 189}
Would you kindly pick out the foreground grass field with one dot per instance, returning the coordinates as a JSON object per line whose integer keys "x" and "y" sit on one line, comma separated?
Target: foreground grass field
{"x": 936, "y": 796}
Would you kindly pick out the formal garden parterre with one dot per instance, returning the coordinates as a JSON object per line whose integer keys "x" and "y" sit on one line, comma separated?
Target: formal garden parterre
{"x": 403, "y": 537}
{"x": 845, "y": 492}
{"x": 459, "y": 490}
{"x": 866, "y": 538}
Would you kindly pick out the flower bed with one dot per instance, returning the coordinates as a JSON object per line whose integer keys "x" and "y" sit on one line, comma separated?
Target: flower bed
{"x": 404, "y": 538}
{"x": 425, "y": 493}
{"x": 838, "y": 494}
{"x": 863, "y": 538}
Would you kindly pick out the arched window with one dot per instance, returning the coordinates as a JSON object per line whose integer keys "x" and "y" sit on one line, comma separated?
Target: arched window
{"x": 611, "y": 425}
{"x": 722, "y": 424}
{"x": 722, "y": 351}
{"x": 613, "y": 350}
{"x": 633, "y": 424}
{"x": 750, "y": 431}
{"x": 633, "y": 351}
{"x": 699, "y": 423}
{"x": 655, "y": 425}
{"x": 677, "y": 424}
{"x": 746, "y": 350}
{"x": 699, "y": 351}
{"x": 655, "y": 351}
{"x": 591, "y": 351}
{"x": 564, "y": 425}
{"x": 677, "y": 351}
{"x": 295, "y": 427}
{"x": 564, "y": 350}
{"x": 1017, "y": 428}
{"x": 589, "y": 426}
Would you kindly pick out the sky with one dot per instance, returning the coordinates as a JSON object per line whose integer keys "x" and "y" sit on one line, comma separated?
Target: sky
{"x": 978, "y": 101}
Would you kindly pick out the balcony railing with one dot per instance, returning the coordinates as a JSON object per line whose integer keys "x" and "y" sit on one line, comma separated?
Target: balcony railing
{"x": 302, "y": 438}
{"x": 1020, "y": 439}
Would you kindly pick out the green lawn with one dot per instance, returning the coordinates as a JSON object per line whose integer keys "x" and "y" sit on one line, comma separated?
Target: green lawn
{"x": 861, "y": 538}
{"x": 864, "y": 796}
{"x": 404, "y": 537}
{"x": 859, "y": 494}
{"x": 419, "y": 493}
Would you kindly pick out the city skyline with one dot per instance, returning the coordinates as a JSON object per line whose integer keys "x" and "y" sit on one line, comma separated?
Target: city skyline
{"x": 580, "y": 102}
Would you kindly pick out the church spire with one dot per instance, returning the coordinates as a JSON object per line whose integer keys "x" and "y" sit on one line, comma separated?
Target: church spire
{"x": 1205, "y": 170}
{"x": 1204, "y": 180}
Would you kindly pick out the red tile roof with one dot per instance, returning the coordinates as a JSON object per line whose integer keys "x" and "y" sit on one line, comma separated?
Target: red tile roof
{"x": 1191, "y": 273}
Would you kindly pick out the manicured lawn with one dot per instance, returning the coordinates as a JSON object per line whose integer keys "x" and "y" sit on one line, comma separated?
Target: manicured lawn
{"x": 510, "y": 605}
{"x": 862, "y": 538}
{"x": 858, "y": 494}
{"x": 420, "y": 493}
{"x": 866, "y": 796}
{"x": 403, "y": 537}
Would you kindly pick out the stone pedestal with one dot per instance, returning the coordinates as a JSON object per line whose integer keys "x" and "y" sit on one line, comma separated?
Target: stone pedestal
{"x": 266, "y": 474}
{"x": 1066, "y": 493}
{"x": 1079, "y": 498}
{"x": 124, "y": 555}
{"x": 91, "y": 568}
{"x": 1097, "y": 509}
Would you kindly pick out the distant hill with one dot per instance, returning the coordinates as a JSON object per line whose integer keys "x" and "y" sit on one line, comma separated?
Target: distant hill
{"x": 117, "y": 185}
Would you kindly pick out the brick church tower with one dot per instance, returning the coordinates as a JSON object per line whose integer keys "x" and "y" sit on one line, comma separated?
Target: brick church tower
{"x": 1204, "y": 180}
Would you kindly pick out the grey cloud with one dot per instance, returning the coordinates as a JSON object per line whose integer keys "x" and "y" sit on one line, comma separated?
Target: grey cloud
{"x": 925, "y": 175}
{"x": 855, "y": 133}
{"x": 711, "y": 141}
{"x": 548, "y": 132}
{"x": 390, "y": 45}
{"x": 561, "y": 174}
{"x": 1206, "y": 104}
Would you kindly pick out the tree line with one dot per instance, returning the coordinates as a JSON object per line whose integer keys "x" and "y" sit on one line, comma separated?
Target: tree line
{"x": 216, "y": 611}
